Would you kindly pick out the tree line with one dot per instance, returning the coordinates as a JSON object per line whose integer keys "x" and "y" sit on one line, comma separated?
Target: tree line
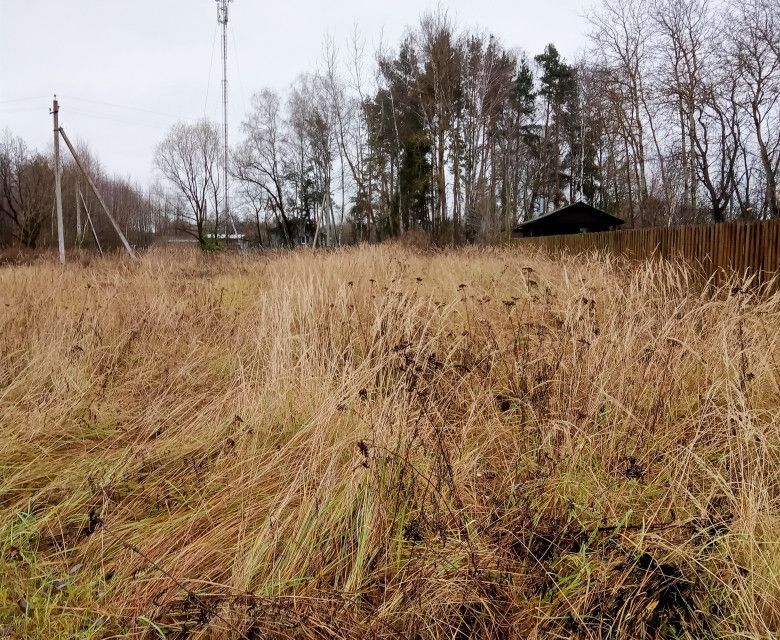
{"x": 27, "y": 206}
{"x": 670, "y": 116}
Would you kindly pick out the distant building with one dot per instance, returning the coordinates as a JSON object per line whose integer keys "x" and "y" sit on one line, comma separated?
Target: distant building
{"x": 233, "y": 241}
{"x": 176, "y": 239}
{"x": 183, "y": 239}
{"x": 575, "y": 218}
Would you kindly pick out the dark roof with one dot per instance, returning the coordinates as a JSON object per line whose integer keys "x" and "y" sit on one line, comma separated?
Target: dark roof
{"x": 570, "y": 219}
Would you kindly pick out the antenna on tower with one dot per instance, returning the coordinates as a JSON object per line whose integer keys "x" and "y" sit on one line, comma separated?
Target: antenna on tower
{"x": 222, "y": 17}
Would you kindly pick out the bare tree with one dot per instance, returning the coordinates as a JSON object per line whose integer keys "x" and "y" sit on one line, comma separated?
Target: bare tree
{"x": 314, "y": 136}
{"x": 261, "y": 160}
{"x": 26, "y": 189}
{"x": 252, "y": 198}
{"x": 756, "y": 44}
{"x": 344, "y": 113}
{"x": 685, "y": 28}
{"x": 717, "y": 142}
{"x": 189, "y": 159}
{"x": 621, "y": 34}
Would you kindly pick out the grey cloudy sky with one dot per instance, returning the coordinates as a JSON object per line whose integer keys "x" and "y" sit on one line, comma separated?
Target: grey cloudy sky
{"x": 126, "y": 70}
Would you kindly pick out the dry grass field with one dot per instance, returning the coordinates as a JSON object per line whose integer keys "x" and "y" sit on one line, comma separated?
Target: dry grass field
{"x": 386, "y": 443}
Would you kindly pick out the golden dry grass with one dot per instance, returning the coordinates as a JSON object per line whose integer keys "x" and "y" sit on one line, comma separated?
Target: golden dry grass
{"x": 379, "y": 443}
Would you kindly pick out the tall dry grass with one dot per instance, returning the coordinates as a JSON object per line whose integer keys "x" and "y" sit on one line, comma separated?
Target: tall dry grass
{"x": 381, "y": 443}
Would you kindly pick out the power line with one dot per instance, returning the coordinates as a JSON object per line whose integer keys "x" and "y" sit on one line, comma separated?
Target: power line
{"x": 132, "y": 115}
{"x": 121, "y": 106}
{"x": 13, "y": 110}
{"x": 24, "y": 99}
{"x": 117, "y": 118}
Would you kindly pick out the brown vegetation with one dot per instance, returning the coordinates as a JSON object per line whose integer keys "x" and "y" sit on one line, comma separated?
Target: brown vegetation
{"x": 383, "y": 442}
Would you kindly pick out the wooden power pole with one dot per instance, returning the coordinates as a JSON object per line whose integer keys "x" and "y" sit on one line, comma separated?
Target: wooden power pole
{"x": 55, "y": 110}
{"x": 59, "y": 131}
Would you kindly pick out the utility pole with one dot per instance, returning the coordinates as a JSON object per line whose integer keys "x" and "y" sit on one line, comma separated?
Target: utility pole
{"x": 55, "y": 110}
{"x": 223, "y": 9}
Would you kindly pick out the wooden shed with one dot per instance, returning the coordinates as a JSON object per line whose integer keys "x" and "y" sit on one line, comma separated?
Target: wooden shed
{"x": 575, "y": 218}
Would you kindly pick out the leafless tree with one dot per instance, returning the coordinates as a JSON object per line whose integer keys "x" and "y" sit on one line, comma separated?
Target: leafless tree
{"x": 262, "y": 158}
{"x": 314, "y": 135}
{"x": 621, "y": 31}
{"x": 189, "y": 159}
{"x": 755, "y": 43}
{"x": 26, "y": 190}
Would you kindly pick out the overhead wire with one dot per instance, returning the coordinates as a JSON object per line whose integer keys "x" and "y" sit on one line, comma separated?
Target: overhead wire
{"x": 119, "y": 106}
{"x": 118, "y": 118}
{"x": 23, "y": 99}
{"x": 133, "y": 116}
{"x": 13, "y": 110}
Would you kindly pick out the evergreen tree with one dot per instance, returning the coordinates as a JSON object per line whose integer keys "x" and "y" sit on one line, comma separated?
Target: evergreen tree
{"x": 558, "y": 82}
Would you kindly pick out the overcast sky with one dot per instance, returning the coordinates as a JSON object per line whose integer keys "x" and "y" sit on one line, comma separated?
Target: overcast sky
{"x": 125, "y": 71}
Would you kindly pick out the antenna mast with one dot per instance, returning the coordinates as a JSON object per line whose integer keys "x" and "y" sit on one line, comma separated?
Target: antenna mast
{"x": 222, "y": 17}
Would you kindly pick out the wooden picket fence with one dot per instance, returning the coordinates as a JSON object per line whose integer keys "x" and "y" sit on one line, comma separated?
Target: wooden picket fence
{"x": 715, "y": 249}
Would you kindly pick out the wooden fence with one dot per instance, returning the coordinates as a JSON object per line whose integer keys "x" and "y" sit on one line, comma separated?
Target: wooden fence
{"x": 752, "y": 247}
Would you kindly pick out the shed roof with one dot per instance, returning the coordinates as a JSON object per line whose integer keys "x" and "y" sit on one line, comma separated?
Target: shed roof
{"x": 574, "y": 216}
